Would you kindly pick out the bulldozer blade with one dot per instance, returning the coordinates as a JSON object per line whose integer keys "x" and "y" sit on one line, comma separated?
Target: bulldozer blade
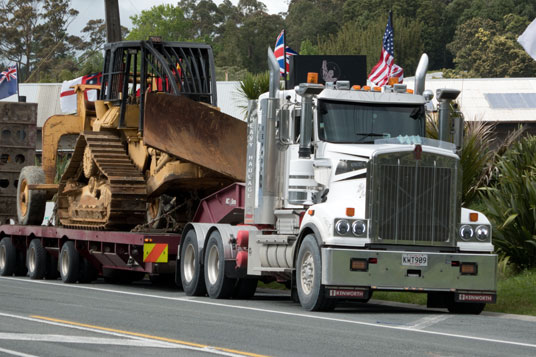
{"x": 196, "y": 133}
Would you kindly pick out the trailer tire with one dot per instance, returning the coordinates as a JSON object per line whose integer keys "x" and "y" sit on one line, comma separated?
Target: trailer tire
{"x": 8, "y": 257}
{"x": 218, "y": 285}
{"x": 192, "y": 276}
{"x": 36, "y": 259}
{"x": 311, "y": 292}
{"x": 245, "y": 288}
{"x": 69, "y": 263}
{"x": 30, "y": 203}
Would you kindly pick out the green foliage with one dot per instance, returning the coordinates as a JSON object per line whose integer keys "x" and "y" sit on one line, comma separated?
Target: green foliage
{"x": 487, "y": 48}
{"x": 354, "y": 38}
{"x": 307, "y": 48}
{"x": 253, "y": 85}
{"x": 166, "y": 21}
{"x": 511, "y": 204}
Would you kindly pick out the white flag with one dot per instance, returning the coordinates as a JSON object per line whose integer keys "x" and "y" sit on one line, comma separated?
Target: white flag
{"x": 528, "y": 39}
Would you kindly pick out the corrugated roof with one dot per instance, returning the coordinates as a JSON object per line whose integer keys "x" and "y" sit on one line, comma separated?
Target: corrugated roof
{"x": 46, "y": 95}
{"x": 475, "y": 92}
{"x": 229, "y": 101}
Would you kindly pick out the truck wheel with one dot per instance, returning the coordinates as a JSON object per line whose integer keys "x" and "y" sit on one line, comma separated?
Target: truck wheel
{"x": 466, "y": 308}
{"x": 218, "y": 285}
{"x": 69, "y": 263}
{"x": 309, "y": 277}
{"x": 192, "y": 277}
{"x": 36, "y": 259}
{"x": 245, "y": 289}
{"x": 8, "y": 257}
{"x": 30, "y": 203}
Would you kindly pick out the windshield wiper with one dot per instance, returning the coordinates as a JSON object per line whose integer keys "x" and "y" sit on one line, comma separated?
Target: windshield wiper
{"x": 365, "y": 135}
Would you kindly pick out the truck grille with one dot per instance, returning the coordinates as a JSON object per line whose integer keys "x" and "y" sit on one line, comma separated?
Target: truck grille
{"x": 413, "y": 201}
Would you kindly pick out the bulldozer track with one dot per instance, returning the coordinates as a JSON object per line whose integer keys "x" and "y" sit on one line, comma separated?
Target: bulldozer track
{"x": 127, "y": 206}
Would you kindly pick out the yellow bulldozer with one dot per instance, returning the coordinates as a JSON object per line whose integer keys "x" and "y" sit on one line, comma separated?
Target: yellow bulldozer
{"x": 153, "y": 138}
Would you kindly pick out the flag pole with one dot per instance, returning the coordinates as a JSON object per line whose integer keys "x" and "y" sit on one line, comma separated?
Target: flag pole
{"x": 285, "y": 56}
{"x": 18, "y": 75}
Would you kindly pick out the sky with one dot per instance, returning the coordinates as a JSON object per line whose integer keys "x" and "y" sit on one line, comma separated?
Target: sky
{"x": 94, "y": 9}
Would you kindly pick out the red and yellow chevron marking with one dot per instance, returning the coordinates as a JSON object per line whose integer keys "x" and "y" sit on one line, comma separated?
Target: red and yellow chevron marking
{"x": 155, "y": 253}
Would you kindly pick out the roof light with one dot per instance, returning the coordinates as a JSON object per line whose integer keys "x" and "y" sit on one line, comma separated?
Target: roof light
{"x": 356, "y": 87}
{"x": 377, "y": 89}
{"x": 393, "y": 80}
{"x": 410, "y": 91}
{"x": 367, "y": 88}
{"x": 312, "y": 77}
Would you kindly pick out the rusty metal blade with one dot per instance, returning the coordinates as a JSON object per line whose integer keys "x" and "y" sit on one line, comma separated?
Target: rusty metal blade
{"x": 196, "y": 133}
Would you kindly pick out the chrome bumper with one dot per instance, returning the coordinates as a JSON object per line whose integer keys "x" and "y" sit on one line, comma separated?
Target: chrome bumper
{"x": 388, "y": 273}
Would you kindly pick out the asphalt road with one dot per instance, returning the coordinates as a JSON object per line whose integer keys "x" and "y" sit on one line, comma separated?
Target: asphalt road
{"x": 44, "y": 318}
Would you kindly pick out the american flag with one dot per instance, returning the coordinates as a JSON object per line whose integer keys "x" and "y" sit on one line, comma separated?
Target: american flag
{"x": 280, "y": 53}
{"x": 8, "y": 82}
{"x": 386, "y": 67}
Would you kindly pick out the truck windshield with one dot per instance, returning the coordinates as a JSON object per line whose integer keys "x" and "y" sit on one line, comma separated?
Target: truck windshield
{"x": 344, "y": 122}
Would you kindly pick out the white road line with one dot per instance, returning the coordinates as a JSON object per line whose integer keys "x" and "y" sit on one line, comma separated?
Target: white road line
{"x": 159, "y": 344}
{"x": 304, "y": 315}
{"x": 82, "y": 340}
{"x": 427, "y": 321}
{"x": 15, "y": 353}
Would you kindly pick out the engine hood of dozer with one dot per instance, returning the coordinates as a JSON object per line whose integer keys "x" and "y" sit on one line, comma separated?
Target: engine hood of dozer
{"x": 196, "y": 133}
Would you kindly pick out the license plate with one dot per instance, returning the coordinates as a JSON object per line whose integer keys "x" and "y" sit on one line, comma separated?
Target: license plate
{"x": 415, "y": 260}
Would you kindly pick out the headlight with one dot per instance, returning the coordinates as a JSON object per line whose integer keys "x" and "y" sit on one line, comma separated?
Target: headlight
{"x": 466, "y": 232}
{"x": 359, "y": 228}
{"x": 482, "y": 233}
{"x": 342, "y": 227}
{"x": 345, "y": 166}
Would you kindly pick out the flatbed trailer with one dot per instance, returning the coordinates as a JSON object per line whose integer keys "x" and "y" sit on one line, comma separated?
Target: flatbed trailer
{"x": 81, "y": 255}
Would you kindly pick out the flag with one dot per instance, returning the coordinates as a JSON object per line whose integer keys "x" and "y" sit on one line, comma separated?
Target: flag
{"x": 280, "y": 50}
{"x": 8, "y": 82}
{"x": 528, "y": 39}
{"x": 68, "y": 96}
{"x": 386, "y": 67}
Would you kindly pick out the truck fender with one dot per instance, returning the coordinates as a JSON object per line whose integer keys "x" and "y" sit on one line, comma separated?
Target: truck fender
{"x": 201, "y": 232}
{"x": 306, "y": 229}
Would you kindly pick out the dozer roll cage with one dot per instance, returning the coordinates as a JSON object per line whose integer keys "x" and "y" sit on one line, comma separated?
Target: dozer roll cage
{"x": 132, "y": 68}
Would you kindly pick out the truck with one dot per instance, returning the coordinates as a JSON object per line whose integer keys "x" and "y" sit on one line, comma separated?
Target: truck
{"x": 343, "y": 196}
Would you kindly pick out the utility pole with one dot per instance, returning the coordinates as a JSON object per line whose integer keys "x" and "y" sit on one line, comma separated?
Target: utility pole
{"x": 113, "y": 23}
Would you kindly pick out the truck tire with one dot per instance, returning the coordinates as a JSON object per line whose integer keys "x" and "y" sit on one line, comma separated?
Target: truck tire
{"x": 30, "y": 203}
{"x": 465, "y": 308}
{"x": 218, "y": 285}
{"x": 69, "y": 263}
{"x": 192, "y": 276}
{"x": 245, "y": 289}
{"x": 311, "y": 292}
{"x": 8, "y": 257}
{"x": 36, "y": 259}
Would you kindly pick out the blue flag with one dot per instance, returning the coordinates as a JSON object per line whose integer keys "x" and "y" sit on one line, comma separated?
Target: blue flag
{"x": 8, "y": 82}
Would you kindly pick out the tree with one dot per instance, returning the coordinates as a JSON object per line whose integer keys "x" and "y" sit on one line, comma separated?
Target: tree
{"x": 486, "y": 48}
{"x": 166, "y": 21}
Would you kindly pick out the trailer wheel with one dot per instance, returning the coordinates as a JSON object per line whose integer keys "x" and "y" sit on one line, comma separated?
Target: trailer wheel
{"x": 218, "y": 285}
{"x": 30, "y": 203}
{"x": 69, "y": 263}
{"x": 245, "y": 288}
{"x": 311, "y": 292}
{"x": 8, "y": 257}
{"x": 465, "y": 308}
{"x": 36, "y": 259}
{"x": 192, "y": 277}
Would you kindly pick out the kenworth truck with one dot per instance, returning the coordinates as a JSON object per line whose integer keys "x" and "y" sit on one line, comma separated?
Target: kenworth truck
{"x": 343, "y": 196}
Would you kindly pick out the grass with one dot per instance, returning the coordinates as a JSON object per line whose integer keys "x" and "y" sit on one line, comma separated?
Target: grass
{"x": 516, "y": 294}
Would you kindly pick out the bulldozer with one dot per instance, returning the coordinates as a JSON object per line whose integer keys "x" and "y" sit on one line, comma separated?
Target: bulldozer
{"x": 153, "y": 138}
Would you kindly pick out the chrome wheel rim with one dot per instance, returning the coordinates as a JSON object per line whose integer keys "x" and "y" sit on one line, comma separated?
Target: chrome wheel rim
{"x": 307, "y": 273}
{"x": 31, "y": 259}
{"x": 2, "y": 257}
{"x": 64, "y": 264}
{"x": 189, "y": 263}
{"x": 213, "y": 265}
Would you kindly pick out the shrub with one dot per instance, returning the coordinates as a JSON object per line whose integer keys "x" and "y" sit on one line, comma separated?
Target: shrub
{"x": 511, "y": 204}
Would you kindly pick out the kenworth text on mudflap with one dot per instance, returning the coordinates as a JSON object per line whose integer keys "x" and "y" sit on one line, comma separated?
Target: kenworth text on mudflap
{"x": 343, "y": 195}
